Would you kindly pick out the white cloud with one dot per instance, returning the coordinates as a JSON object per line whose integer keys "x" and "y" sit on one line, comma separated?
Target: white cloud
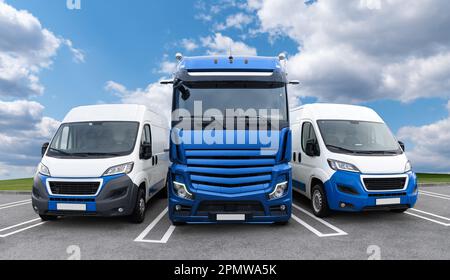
{"x": 239, "y": 21}
{"x": 25, "y": 49}
{"x": 23, "y": 129}
{"x": 155, "y": 96}
{"x": 221, "y": 45}
{"x": 189, "y": 44}
{"x": 350, "y": 52}
{"x": 430, "y": 151}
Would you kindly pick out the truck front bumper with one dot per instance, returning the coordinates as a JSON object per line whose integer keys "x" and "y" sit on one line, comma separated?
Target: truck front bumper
{"x": 209, "y": 203}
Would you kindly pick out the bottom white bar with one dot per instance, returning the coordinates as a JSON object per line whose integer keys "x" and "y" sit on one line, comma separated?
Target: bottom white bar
{"x": 388, "y": 201}
{"x": 71, "y": 207}
{"x": 230, "y": 217}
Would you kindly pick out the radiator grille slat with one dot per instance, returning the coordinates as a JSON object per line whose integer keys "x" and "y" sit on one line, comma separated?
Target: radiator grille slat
{"x": 74, "y": 188}
{"x": 384, "y": 184}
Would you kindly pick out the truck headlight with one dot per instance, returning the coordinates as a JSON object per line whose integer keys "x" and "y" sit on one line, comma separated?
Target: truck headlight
{"x": 125, "y": 168}
{"x": 42, "y": 169}
{"x": 279, "y": 191}
{"x": 344, "y": 166}
{"x": 408, "y": 167}
{"x": 182, "y": 191}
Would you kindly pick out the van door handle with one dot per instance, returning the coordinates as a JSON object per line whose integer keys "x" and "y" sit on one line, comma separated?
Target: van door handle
{"x": 299, "y": 157}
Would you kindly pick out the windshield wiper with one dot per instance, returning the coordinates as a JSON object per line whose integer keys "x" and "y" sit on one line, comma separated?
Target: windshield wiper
{"x": 341, "y": 149}
{"x": 95, "y": 154}
{"x": 60, "y": 152}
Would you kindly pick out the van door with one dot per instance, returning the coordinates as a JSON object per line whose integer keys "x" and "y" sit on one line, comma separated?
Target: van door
{"x": 296, "y": 158}
{"x": 148, "y": 162}
{"x": 307, "y": 163}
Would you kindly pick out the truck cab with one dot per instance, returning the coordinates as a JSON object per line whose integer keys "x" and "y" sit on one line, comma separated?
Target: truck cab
{"x": 230, "y": 141}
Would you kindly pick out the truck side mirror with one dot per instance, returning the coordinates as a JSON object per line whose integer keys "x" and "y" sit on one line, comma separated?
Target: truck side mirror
{"x": 146, "y": 151}
{"x": 402, "y": 145}
{"x": 312, "y": 148}
{"x": 44, "y": 148}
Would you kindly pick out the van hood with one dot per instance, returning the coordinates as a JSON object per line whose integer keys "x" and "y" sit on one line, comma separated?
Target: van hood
{"x": 375, "y": 164}
{"x": 81, "y": 168}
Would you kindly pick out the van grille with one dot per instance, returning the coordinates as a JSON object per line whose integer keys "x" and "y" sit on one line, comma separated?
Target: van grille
{"x": 385, "y": 184}
{"x": 229, "y": 168}
{"x": 74, "y": 188}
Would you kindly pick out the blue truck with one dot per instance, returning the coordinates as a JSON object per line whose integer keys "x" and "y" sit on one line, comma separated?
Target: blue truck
{"x": 230, "y": 144}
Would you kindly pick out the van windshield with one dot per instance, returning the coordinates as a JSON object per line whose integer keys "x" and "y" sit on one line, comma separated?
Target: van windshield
{"x": 358, "y": 137}
{"x": 94, "y": 140}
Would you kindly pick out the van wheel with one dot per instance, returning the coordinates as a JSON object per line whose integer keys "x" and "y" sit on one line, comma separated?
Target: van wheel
{"x": 319, "y": 203}
{"x": 46, "y": 218}
{"x": 138, "y": 214}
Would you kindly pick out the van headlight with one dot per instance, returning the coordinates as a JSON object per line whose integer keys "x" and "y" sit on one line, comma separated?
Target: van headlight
{"x": 344, "y": 166}
{"x": 408, "y": 167}
{"x": 125, "y": 168}
{"x": 182, "y": 191}
{"x": 279, "y": 191}
{"x": 43, "y": 170}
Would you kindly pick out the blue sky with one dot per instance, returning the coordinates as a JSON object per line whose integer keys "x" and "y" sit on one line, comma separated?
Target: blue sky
{"x": 350, "y": 56}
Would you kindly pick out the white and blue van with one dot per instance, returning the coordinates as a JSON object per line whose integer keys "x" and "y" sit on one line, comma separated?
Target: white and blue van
{"x": 104, "y": 160}
{"x": 345, "y": 158}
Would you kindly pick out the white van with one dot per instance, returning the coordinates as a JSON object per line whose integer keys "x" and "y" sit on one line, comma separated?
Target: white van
{"x": 104, "y": 160}
{"x": 345, "y": 158}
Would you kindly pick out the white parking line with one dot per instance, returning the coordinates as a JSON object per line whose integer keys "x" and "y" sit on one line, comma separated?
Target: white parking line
{"x": 20, "y": 230}
{"x": 427, "y": 218}
{"x": 437, "y": 195}
{"x": 15, "y": 205}
{"x": 15, "y": 202}
{"x": 141, "y": 237}
{"x": 338, "y": 231}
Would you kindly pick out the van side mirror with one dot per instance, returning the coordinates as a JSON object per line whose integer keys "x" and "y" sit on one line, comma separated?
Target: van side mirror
{"x": 312, "y": 148}
{"x": 44, "y": 148}
{"x": 402, "y": 145}
{"x": 146, "y": 151}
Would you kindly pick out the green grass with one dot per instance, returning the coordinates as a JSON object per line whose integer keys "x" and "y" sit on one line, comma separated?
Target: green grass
{"x": 26, "y": 184}
{"x": 433, "y": 178}
{"x": 16, "y": 185}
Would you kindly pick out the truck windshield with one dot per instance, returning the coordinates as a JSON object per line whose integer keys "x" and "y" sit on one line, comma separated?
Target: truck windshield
{"x": 263, "y": 101}
{"x": 358, "y": 137}
{"x": 94, "y": 139}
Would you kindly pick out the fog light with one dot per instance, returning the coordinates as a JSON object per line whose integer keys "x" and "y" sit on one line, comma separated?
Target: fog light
{"x": 35, "y": 208}
{"x": 343, "y": 205}
{"x": 178, "y": 207}
{"x": 283, "y": 207}
{"x": 279, "y": 191}
{"x": 182, "y": 191}
{"x": 120, "y": 210}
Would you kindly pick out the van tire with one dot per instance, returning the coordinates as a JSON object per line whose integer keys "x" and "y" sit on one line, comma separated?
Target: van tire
{"x": 319, "y": 202}
{"x": 47, "y": 218}
{"x": 138, "y": 215}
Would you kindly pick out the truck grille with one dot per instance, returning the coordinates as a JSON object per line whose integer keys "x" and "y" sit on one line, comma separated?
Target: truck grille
{"x": 384, "y": 184}
{"x": 229, "y": 168}
{"x": 74, "y": 188}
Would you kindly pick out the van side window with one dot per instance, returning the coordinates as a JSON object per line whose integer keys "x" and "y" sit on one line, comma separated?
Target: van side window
{"x": 308, "y": 134}
{"x": 147, "y": 135}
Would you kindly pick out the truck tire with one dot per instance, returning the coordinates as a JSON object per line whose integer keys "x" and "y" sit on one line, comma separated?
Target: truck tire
{"x": 47, "y": 218}
{"x": 399, "y": 211}
{"x": 319, "y": 202}
{"x": 178, "y": 224}
{"x": 138, "y": 215}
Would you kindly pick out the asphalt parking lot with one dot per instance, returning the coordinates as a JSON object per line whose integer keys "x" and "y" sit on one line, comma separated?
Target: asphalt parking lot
{"x": 420, "y": 233}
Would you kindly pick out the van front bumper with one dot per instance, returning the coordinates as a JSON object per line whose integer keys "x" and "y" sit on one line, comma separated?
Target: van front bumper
{"x": 363, "y": 200}
{"x": 117, "y": 197}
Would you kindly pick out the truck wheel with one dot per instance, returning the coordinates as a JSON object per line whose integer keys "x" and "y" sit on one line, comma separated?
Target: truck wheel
{"x": 285, "y": 223}
{"x": 319, "y": 202}
{"x": 46, "y": 218}
{"x": 178, "y": 224}
{"x": 138, "y": 214}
